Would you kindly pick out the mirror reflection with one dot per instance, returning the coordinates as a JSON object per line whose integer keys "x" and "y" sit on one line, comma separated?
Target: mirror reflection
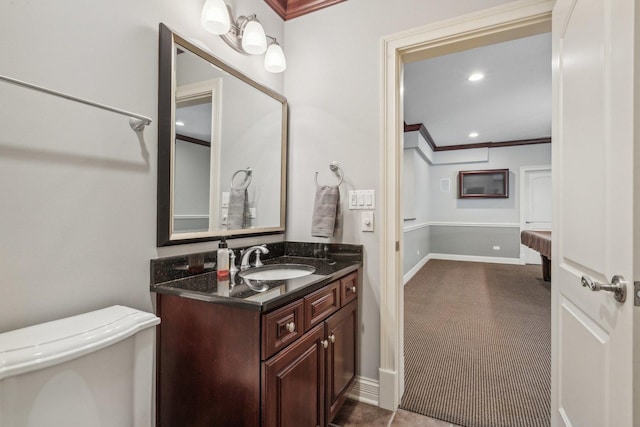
{"x": 226, "y": 135}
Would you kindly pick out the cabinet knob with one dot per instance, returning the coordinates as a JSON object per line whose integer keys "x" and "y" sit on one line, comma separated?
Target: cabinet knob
{"x": 291, "y": 326}
{"x": 324, "y": 343}
{"x": 332, "y": 338}
{"x": 353, "y": 289}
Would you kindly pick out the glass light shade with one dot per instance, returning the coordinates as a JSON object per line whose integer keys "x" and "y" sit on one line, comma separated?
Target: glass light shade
{"x": 254, "y": 41}
{"x": 274, "y": 60}
{"x": 215, "y": 17}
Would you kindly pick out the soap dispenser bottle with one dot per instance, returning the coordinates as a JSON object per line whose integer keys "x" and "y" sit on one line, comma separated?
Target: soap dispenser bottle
{"x": 222, "y": 258}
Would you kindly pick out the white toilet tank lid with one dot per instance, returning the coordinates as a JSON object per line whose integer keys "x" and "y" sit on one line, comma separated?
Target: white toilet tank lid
{"x": 47, "y": 344}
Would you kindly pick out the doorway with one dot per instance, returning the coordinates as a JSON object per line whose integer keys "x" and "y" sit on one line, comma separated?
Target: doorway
{"x": 486, "y": 27}
{"x": 535, "y": 206}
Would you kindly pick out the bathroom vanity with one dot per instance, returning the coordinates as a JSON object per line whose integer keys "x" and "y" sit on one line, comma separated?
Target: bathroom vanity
{"x": 259, "y": 353}
{"x": 265, "y": 351}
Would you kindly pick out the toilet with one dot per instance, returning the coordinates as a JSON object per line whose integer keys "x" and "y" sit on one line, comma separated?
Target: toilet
{"x": 93, "y": 369}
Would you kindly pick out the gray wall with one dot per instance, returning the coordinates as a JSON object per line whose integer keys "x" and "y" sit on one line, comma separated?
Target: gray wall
{"x": 416, "y": 246}
{"x": 78, "y": 224}
{"x": 476, "y": 241}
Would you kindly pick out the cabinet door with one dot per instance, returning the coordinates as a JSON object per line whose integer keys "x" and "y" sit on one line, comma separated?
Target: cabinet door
{"x": 294, "y": 384}
{"x": 342, "y": 357}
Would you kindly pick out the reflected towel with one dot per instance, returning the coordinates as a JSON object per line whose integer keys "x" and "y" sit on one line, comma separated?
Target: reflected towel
{"x": 238, "y": 214}
{"x": 325, "y": 211}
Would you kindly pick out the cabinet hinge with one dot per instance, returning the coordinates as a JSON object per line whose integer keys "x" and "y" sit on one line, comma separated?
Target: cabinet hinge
{"x": 636, "y": 293}
{"x": 397, "y": 246}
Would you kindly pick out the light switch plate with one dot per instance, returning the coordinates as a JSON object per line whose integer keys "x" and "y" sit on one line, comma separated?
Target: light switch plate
{"x": 367, "y": 221}
{"x": 362, "y": 199}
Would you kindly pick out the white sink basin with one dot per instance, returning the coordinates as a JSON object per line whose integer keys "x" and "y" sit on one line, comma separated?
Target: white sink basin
{"x": 277, "y": 272}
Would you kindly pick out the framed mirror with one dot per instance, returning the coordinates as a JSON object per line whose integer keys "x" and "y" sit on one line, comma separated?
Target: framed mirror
{"x": 222, "y": 144}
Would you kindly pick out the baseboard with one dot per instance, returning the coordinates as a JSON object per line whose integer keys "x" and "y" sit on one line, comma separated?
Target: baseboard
{"x": 474, "y": 258}
{"x": 415, "y": 269}
{"x": 365, "y": 390}
{"x": 388, "y": 393}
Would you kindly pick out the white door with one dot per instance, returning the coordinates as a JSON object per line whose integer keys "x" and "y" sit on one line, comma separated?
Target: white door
{"x": 535, "y": 206}
{"x": 593, "y": 161}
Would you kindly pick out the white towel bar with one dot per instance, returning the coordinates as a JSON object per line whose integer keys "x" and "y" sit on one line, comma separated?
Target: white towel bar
{"x": 136, "y": 121}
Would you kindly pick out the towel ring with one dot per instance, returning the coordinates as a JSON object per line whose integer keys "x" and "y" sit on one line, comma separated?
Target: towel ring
{"x": 335, "y": 167}
{"x": 248, "y": 175}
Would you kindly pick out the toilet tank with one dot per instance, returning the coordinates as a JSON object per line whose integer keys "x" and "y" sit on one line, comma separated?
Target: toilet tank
{"x": 94, "y": 369}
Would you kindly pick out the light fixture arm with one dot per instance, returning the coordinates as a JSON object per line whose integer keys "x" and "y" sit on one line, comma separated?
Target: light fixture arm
{"x": 234, "y": 36}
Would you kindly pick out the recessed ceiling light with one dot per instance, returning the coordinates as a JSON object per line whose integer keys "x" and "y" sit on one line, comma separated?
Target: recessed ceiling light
{"x": 473, "y": 135}
{"x": 179, "y": 123}
{"x": 475, "y": 77}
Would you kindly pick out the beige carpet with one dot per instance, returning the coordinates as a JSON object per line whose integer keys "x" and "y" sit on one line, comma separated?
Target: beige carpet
{"x": 478, "y": 344}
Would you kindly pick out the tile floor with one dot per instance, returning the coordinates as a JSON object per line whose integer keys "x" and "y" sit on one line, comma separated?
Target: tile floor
{"x": 358, "y": 414}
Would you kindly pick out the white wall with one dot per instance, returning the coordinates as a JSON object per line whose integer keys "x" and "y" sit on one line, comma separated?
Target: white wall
{"x": 192, "y": 169}
{"x": 333, "y": 83}
{"x": 78, "y": 190}
{"x": 416, "y": 200}
{"x": 446, "y": 207}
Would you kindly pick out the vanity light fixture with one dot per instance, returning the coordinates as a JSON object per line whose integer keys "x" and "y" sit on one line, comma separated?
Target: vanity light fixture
{"x": 179, "y": 123}
{"x": 473, "y": 135}
{"x": 244, "y": 34}
{"x": 475, "y": 77}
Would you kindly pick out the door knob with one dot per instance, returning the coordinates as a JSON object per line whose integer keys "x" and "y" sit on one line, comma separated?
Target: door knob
{"x": 618, "y": 286}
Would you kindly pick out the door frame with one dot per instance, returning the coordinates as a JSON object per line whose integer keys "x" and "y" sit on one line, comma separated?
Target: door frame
{"x": 507, "y": 22}
{"x": 523, "y": 173}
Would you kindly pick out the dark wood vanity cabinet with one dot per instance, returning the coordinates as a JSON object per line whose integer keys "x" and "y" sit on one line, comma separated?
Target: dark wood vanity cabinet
{"x": 227, "y": 366}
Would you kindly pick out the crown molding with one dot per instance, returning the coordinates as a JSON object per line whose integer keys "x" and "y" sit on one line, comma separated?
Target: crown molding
{"x": 489, "y": 144}
{"x": 289, "y": 9}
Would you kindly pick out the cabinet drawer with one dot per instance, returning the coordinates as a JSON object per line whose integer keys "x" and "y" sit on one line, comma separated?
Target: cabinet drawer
{"x": 321, "y": 303}
{"x": 348, "y": 288}
{"x": 282, "y": 327}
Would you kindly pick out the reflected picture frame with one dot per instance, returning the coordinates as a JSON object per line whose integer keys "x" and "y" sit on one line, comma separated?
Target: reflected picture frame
{"x": 483, "y": 184}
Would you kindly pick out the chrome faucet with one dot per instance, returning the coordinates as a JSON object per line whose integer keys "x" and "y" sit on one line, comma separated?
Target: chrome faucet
{"x": 246, "y": 255}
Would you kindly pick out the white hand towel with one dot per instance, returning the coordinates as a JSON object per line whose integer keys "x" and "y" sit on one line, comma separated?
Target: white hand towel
{"x": 325, "y": 211}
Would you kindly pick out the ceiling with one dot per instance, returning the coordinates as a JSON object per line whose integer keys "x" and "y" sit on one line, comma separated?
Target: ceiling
{"x": 511, "y": 103}
{"x": 194, "y": 120}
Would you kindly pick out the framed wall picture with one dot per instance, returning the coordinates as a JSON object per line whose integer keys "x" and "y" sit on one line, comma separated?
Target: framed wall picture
{"x": 483, "y": 184}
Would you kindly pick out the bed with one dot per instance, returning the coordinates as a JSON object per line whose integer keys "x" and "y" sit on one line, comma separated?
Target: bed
{"x": 539, "y": 241}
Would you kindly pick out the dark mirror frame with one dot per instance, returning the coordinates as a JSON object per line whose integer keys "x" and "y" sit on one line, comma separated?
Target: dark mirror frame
{"x": 168, "y": 40}
{"x": 503, "y": 193}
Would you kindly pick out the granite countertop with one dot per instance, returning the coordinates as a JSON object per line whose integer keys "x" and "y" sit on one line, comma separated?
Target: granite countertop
{"x": 260, "y": 295}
